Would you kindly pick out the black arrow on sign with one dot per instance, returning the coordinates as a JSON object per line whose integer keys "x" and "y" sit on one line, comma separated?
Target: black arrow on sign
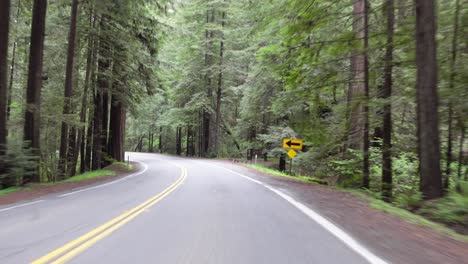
{"x": 290, "y": 143}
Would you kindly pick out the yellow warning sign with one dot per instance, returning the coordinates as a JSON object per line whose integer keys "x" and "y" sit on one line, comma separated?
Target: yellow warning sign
{"x": 291, "y": 153}
{"x": 291, "y": 143}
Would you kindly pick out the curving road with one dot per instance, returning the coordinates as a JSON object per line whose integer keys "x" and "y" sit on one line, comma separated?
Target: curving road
{"x": 174, "y": 211}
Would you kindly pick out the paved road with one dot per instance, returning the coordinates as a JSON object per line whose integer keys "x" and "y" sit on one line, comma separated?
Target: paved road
{"x": 174, "y": 211}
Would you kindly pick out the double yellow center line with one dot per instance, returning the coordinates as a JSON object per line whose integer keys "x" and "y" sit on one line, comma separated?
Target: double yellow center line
{"x": 75, "y": 247}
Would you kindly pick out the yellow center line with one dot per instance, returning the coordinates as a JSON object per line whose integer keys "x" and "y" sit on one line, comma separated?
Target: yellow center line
{"x": 73, "y": 248}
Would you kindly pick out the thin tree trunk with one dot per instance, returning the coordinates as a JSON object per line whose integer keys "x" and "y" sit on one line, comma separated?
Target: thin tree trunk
{"x": 10, "y": 86}
{"x": 72, "y": 152}
{"x": 97, "y": 131}
{"x": 4, "y": 33}
{"x": 149, "y": 140}
{"x": 387, "y": 109}
{"x": 179, "y": 141}
{"x": 62, "y": 168}
{"x": 105, "y": 124}
{"x": 427, "y": 100}
{"x": 160, "y": 140}
{"x": 460, "y": 155}
{"x": 365, "y": 150}
{"x": 13, "y": 66}
{"x": 33, "y": 93}
{"x": 451, "y": 87}
{"x": 89, "y": 142}
{"x": 206, "y": 113}
{"x": 84, "y": 99}
{"x": 220, "y": 86}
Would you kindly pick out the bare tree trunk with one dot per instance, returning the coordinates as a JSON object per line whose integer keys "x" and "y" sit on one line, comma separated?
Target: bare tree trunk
{"x": 189, "y": 143}
{"x": 10, "y": 86}
{"x": 220, "y": 86}
{"x": 97, "y": 131}
{"x": 13, "y": 66}
{"x": 387, "y": 177}
{"x": 451, "y": 87}
{"x": 365, "y": 144}
{"x": 33, "y": 93}
{"x": 460, "y": 154}
{"x": 356, "y": 93}
{"x": 84, "y": 99}
{"x": 160, "y": 140}
{"x": 179, "y": 141}
{"x": 88, "y": 149}
{"x": 117, "y": 130}
{"x": 427, "y": 100}
{"x": 4, "y": 33}
{"x": 62, "y": 168}
{"x": 208, "y": 60}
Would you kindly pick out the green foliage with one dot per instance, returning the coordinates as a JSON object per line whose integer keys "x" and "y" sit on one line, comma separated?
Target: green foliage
{"x": 452, "y": 209}
{"x": 90, "y": 175}
{"x": 9, "y": 190}
{"x": 20, "y": 162}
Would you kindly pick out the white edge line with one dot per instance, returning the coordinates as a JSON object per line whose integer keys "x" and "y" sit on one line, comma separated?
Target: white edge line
{"x": 329, "y": 226}
{"x": 20, "y": 205}
{"x": 109, "y": 183}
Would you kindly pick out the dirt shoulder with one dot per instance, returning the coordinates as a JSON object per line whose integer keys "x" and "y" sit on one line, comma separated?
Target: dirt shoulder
{"x": 391, "y": 237}
{"x": 36, "y": 191}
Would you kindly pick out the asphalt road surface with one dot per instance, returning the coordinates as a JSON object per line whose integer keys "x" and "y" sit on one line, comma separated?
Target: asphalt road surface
{"x": 174, "y": 211}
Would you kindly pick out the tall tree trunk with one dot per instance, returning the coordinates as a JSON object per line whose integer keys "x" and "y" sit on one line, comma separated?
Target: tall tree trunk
{"x": 387, "y": 109}
{"x": 4, "y": 33}
{"x": 105, "y": 123}
{"x": 451, "y": 87}
{"x": 357, "y": 87}
{"x": 33, "y": 93}
{"x": 117, "y": 130}
{"x": 179, "y": 141}
{"x": 10, "y": 86}
{"x": 89, "y": 142}
{"x": 84, "y": 99}
{"x": 210, "y": 17}
{"x": 189, "y": 143}
{"x": 72, "y": 152}
{"x": 220, "y": 86}
{"x": 68, "y": 89}
{"x": 427, "y": 100}
{"x": 13, "y": 66}
{"x": 365, "y": 136}
{"x": 101, "y": 99}
{"x": 97, "y": 131}
{"x": 149, "y": 139}
{"x": 160, "y": 140}
{"x": 460, "y": 154}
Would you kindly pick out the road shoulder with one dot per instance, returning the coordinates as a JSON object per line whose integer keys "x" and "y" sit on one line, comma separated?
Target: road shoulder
{"x": 389, "y": 236}
{"x": 36, "y": 191}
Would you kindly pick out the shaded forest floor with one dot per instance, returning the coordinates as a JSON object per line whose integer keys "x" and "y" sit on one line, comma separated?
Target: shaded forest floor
{"x": 35, "y": 191}
{"x": 395, "y": 237}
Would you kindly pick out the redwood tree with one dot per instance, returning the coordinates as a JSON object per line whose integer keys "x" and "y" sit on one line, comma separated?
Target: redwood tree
{"x": 68, "y": 88}
{"x": 33, "y": 92}
{"x": 387, "y": 109}
{"x": 427, "y": 100}
{"x": 4, "y": 30}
